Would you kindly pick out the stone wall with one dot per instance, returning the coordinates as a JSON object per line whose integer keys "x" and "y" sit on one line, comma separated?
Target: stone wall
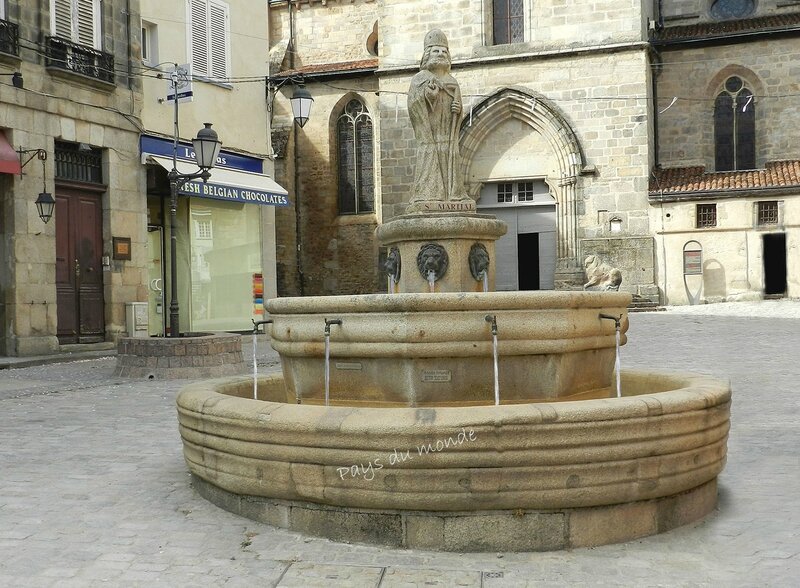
{"x": 599, "y": 96}
{"x": 338, "y": 253}
{"x": 325, "y": 32}
{"x": 696, "y": 76}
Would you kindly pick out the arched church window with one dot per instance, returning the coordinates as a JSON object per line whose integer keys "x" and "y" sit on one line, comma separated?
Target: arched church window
{"x": 356, "y": 170}
{"x": 735, "y": 127}
{"x": 732, "y": 9}
{"x": 508, "y": 21}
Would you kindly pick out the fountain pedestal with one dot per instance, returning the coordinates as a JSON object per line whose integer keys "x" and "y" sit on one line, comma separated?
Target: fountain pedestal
{"x": 456, "y": 235}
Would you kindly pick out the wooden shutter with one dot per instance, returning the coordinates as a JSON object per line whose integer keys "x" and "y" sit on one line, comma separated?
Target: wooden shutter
{"x": 77, "y": 21}
{"x": 218, "y": 39}
{"x": 61, "y": 18}
{"x": 88, "y": 12}
{"x": 198, "y": 46}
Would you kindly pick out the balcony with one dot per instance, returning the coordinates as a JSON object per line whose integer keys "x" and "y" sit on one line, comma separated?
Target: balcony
{"x": 79, "y": 59}
{"x": 9, "y": 38}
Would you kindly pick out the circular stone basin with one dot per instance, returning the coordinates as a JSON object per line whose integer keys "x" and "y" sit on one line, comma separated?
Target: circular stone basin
{"x": 518, "y": 477}
{"x": 192, "y": 355}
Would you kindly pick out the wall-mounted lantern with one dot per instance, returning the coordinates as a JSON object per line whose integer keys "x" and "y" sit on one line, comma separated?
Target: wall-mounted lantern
{"x": 301, "y": 99}
{"x": 45, "y": 204}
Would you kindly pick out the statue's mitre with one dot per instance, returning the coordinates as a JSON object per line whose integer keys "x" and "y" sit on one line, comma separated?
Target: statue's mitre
{"x": 435, "y": 38}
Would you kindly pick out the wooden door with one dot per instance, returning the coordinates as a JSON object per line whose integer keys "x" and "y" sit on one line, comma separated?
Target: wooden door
{"x": 79, "y": 269}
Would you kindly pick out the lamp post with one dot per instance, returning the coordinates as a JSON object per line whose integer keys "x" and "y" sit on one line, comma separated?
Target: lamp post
{"x": 206, "y": 149}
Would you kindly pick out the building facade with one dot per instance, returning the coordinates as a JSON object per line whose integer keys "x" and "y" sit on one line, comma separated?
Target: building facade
{"x": 85, "y": 117}
{"x": 70, "y": 127}
{"x": 225, "y": 228}
{"x": 569, "y": 126}
{"x": 725, "y": 191}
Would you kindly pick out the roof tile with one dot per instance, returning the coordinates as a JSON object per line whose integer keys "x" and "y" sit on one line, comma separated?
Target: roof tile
{"x": 680, "y": 180}
{"x": 330, "y": 68}
{"x": 729, "y": 27}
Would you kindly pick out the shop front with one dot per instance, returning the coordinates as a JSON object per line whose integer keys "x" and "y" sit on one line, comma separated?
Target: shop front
{"x": 225, "y": 240}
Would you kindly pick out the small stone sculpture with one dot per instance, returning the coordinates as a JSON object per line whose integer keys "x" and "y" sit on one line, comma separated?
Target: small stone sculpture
{"x": 392, "y": 264}
{"x": 435, "y": 108}
{"x": 478, "y": 261}
{"x": 432, "y": 261}
{"x": 601, "y": 276}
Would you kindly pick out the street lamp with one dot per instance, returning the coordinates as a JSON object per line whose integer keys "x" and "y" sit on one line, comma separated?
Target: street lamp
{"x": 206, "y": 149}
{"x": 301, "y": 105}
{"x": 301, "y": 99}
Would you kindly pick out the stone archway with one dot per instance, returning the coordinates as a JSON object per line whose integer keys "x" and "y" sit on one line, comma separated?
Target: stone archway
{"x": 543, "y": 118}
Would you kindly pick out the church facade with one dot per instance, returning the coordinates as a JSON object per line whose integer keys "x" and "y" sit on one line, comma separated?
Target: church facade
{"x": 610, "y": 137}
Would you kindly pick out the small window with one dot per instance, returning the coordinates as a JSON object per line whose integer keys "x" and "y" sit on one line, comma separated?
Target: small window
{"x": 209, "y": 34}
{"x": 706, "y": 215}
{"x": 203, "y": 229}
{"x": 505, "y": 192}
{"x": 78, "y": 162}
{"x": 508, "y": 22}
{"x": 355, "y": 148}
{"x": 767, "y": 213}
{"x": 149, "y": 43}
{"x": 525, "y": 192}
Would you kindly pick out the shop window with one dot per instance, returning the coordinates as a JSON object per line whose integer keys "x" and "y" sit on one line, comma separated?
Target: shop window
{"x": 735, "y": 127}
{"x": 767, "y": 213}
{"x": 731, "y": 9}
{"x": 225, "y": 272}
{"x": 77, "y": 21}
{"x": 355, "y": 150}
{"x": 508, "y": 21}
{"x": 209, "y": 34}
{"x": 706, "y": 215}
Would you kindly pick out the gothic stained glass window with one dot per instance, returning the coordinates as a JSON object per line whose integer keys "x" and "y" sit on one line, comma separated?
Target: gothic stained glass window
{"x": 508, "y": 22}
{"x": 732, "y": 9}
{"x": 355, "y": 150}
{"x": 735, "y": 127}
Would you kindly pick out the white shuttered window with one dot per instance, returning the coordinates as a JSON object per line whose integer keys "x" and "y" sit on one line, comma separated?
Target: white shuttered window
{"x": 209, "y": 34}
{"x": 77, "y": 21}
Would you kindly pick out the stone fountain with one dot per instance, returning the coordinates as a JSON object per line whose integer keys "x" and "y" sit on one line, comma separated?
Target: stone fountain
{"x": 385, "y": 425}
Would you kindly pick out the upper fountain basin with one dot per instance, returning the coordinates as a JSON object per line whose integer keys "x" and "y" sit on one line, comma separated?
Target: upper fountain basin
{"x": 429, "y": 349}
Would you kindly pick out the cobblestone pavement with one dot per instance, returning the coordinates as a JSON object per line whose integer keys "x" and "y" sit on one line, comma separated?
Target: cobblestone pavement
{"x": 94, "y": 490}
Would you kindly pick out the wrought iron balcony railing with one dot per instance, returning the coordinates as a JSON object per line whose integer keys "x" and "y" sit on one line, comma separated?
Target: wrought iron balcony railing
{"x": 9, "y": 38}
{"x": 63, "y": 54}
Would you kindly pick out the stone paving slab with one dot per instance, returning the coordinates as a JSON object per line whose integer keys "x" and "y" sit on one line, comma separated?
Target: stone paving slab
{"x": 94, "y": 490}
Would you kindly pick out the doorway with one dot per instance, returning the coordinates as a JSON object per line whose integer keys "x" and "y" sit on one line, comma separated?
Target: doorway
{"x": 79, "y": 267}
{"x": 528, "y": 261}
{"x": 774, "y": 264}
